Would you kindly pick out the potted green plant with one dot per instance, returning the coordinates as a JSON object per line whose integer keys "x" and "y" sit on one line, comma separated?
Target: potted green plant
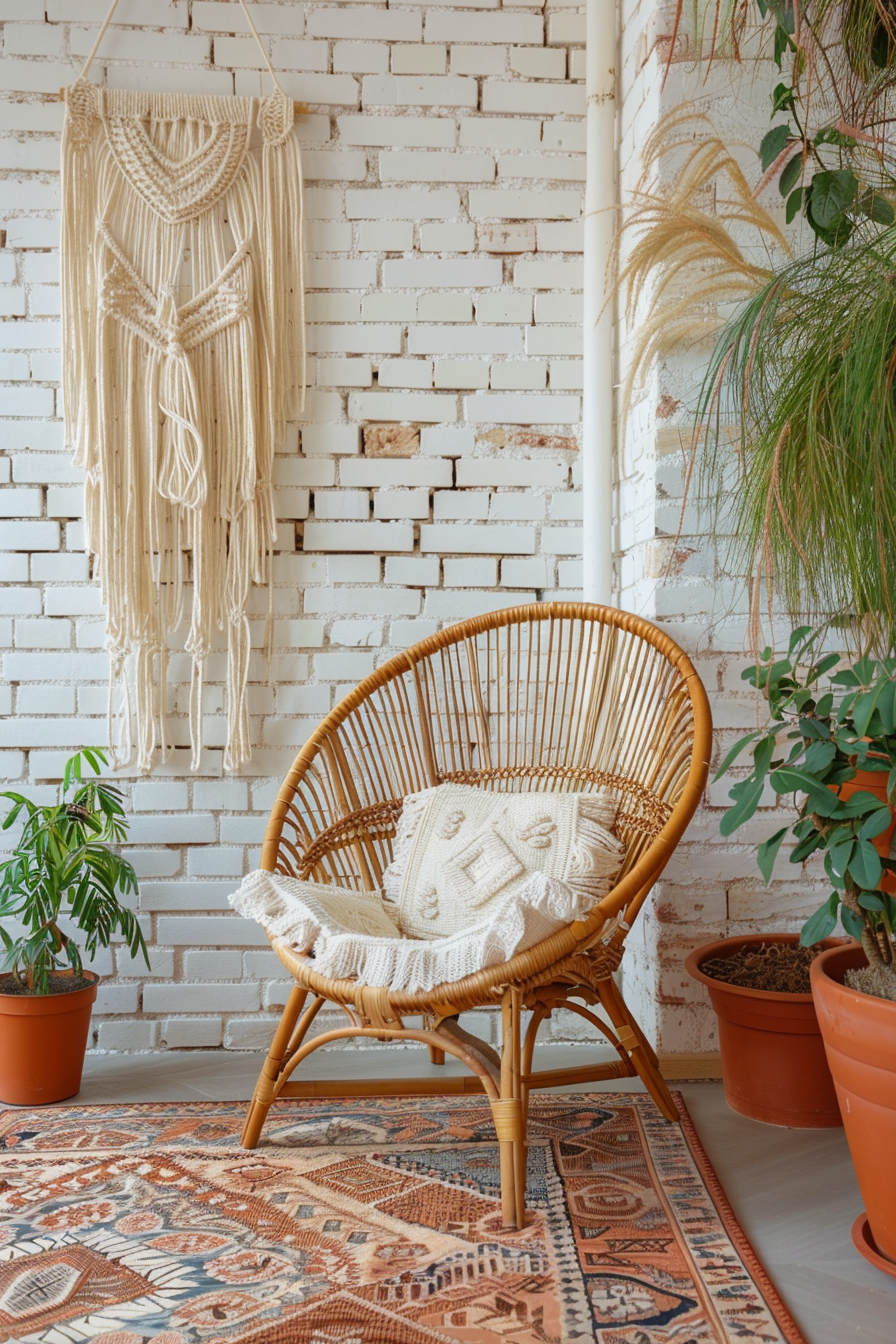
{"x": 64, "y": 873}
{"x": 831, "y": 742}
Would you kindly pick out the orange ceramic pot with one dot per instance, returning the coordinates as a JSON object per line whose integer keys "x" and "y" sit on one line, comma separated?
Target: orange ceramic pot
{"x": 773, "y": 1058}
{"x": 874, "y": 781}
{"x": 860, "y": 1037}
{"x": 43, "y": 1038}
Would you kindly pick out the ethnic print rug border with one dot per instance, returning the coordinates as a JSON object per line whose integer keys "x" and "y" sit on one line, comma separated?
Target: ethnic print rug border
{"x": 370, "y": 1221}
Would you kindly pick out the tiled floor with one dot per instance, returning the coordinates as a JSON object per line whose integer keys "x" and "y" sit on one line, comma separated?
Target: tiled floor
{"x": 793, "y": 1190}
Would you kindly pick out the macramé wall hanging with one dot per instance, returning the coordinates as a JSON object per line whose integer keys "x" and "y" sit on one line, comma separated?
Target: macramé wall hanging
{"x": 183, "y": 340}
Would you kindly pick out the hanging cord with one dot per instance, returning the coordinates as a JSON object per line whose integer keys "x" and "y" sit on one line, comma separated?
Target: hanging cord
{"x": 245, "y": 8}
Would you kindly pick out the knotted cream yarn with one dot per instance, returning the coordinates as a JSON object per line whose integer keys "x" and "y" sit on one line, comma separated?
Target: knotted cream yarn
{"x": 183, "y": 333}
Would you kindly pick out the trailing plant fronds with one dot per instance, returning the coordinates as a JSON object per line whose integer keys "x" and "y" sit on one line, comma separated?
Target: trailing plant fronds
{"x": 807, "y": 370}
{"x": 688, "y": 249}
{"x": 715, "y": 24}
{"x": 866, "y": 30}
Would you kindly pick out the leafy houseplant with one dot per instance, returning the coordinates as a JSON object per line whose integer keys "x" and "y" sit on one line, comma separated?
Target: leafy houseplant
{"x": 829, "y": 729}
{"x": 64, "y": 871}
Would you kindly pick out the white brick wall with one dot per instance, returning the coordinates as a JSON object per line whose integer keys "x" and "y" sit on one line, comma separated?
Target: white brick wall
{"x": 429, "y": 167}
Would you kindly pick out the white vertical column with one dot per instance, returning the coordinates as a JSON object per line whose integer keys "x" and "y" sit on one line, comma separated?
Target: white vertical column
{"x": 600, "y": 223}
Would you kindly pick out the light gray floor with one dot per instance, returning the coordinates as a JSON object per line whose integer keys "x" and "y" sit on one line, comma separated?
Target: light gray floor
{"x": 793, "y": 1191}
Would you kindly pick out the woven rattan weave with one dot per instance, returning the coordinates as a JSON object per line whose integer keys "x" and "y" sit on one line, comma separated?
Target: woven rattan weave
{"x": 553, "y": 696}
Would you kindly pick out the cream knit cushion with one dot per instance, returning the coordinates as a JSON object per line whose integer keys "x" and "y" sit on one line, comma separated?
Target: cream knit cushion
{"x": 463, "y": 853}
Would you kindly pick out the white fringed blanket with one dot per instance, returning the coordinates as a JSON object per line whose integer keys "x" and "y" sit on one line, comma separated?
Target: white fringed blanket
{"x": 183, "y": 359}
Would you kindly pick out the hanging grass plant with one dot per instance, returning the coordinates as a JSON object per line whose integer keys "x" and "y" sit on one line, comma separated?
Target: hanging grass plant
{"x": 806, "y": 374}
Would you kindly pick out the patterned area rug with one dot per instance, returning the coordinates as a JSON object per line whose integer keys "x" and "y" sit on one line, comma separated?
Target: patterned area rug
{"x": 369, "y": 1222}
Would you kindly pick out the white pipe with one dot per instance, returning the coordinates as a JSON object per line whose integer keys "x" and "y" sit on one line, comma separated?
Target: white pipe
{"x": 600, "y": 223}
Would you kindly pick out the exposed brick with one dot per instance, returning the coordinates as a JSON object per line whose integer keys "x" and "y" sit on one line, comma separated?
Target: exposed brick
{"x": 391, "y": 441}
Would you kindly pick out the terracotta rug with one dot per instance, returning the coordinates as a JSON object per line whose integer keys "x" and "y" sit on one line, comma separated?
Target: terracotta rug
{"x": 369, "y": 1222}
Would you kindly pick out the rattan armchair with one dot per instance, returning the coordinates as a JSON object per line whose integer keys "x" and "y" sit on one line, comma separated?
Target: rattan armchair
{"x": 553, "y": 696}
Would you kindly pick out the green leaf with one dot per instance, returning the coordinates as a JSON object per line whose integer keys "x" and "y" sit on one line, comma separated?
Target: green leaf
{"x": 877, "y": 208}
{"x": 788, "y": 779}
{"x": 865, "y": 865}
{"x": 876, "y": 823}
{"x": 794, "y": 204}
{"x": 772, "y": 144}
{"x": 860, "y": 804}
{"x": 806, "y": 847}
{"x": 747, "y": 795}
{"x": 870, "y": 900}
{"x": 819, "y": 757}
{"x": 838, "y": 856}
{"x": 851, "y": 922}
{"x": 768, "y": 852}
{"x": 810, "y": 727}
{"x": 818, "y": 926}
{"x": 734, "y": 753}
{"x": 782, "y": 98}
{"x": 891, "y": 785}
{"x": 791, "y": 175}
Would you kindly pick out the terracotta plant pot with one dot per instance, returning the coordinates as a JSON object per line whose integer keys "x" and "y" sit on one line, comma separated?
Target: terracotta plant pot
{"x": 773, "y": 1059}
{"x": 43, "y": 1038}
{"x": 860, "y": 1036}
{"x": 873, "y": 781}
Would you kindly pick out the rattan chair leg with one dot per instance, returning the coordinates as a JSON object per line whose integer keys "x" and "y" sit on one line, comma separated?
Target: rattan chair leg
{"x": 266, "y": 1087}
{"x": 634, "y": 1043}
{"x": 436, "y": 1056}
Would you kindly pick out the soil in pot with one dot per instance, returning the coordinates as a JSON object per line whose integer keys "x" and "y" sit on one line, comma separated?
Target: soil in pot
{"x": 43, "y": 1038}
{"x": 61, "y": 982}
{"x": 773, "y": 1060}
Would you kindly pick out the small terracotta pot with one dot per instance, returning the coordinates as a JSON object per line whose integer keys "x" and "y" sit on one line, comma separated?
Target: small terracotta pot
{"x": 773, "y": 1059}
{"x": 43, "y": 1038}
{"x": 860, "y": 1036}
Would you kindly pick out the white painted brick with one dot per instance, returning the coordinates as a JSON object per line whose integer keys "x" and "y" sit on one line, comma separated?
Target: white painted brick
{"x": 457, "y": 604}
{"x": 35, "y": 76}
{"x": 567, "y": 374}
{"x": 551, "y": 275}
{"x": 447, "y": 238}
{"x": 460, "y": 504}
{"x": 442, "y": 26}
{"x": 432, "y": 340}
{"x": 65, "y": 501}
{"x": 359, "y": 537}
{"x": 293, "y": 471}
{"x": 249, "y": 1033}
{"x": 21, "y": 503}
{"x": 567, "y": 507}
{"x": 204, "y": 965}
{"x": 354, "y": 569}
{"x": 522, "y": 409}
{"x": 495, "y": 471}
{"x": 162, "y": 958}
{"x": 549, "y": 167}
{"x": 323, "y": 90}
{"x": 568, "y": 135}
{"x": 561, "y": 540}
{"x": 341, "y": 504}
{"x": 361, "y": 58}
{"x": 401, "y": 406}
{"x": 357, "y": 601}
{"x": 528, "y": 373}
{"x": 566, "y": 29}
{"x": 442, "y": 307}
{"x": 554, "y": 340}
{"x": 223, "y": 998}
{"x": 432, "y": 472}
{"x": 411, "y": 570}
{"x": 478, "y": 60}
{"x": 401, "y": 504}
{"x": 214, "y": 16}
{"x": 558, "y": 308}
{"x": 45, "y": 301}
{"x": 333, "y": 307}
{"x": 474, "y": 539}
{"x": 324, "y": 203}
{"x": 543, "y": 64}
{"x": 500, "y": 203}
{"x": 20, "y": 602}
{"x": 389, "y": 308}
{"x": 13, "y": 567}
{"x": 14, "y": 368}
{"x": 525, "y": 573}
{"x": 66, "y": 667}
{"x": 30, "y": 401}
{"x": 343, "y": 274}
{"x": 404, "y": 633}
{"x": 507, "y": 238}
{"x": 351, "y": 667}
{"x": 121, "y": 44}
{"x": 561, "y": 237}
{"x": 480, "y": 573}
{"x": 420, "y": 60}
{"x": 36, "y": 536}
{"x": 84, "y": 600}
{"x": 375, "y": 235}
{"x": 352, "y": 340}
{"x": 462, "y": 373}
{"x": 344, "y": 372}
{"x": 378, "y": 25}
{"x": 312, "y": 128}
{"x": 24, "y": 231}
{"x": 399, "y": 165}
{"x": 224, "y": 862}
{"x": 499, "y": 133}
{"x": 299, "y": 634}
{"x": 357, "y": 634}
{"x": 401, "y": 203}
{"x": 535, "y": 99}
{"x": 182, "y": 1033}
{"x": 418, "y": 91}
{"x": 519, "y": 505}
{"x": 12, "y": 304}
{"x": 189, "y": 828}
{"x": 445, "y": 441}
{"x": 326, "y": 439}
{"x": 32, "y": 116}
{"x": 433, "y": 132}
{"x": 324, "y": 165}
{"x": 129, "y": 1037}
{"x": 326, "y": 236}
{"x": 405, "y": 373}
{"x": 504, "y": 308}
